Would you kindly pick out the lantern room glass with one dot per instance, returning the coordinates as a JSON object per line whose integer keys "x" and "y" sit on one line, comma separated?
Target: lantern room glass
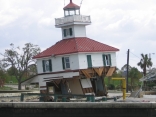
{"x": 69, "y": 12}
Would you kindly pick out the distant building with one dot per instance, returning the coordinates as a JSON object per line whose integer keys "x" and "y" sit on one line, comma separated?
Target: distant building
{"x": 76, "y": 64}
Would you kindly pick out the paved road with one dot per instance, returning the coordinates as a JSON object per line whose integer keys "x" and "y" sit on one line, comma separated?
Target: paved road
{"x": 14, "y": 86}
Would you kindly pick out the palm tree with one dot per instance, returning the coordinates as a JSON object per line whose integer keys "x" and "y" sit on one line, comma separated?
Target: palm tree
{"x": 144, "y": 63}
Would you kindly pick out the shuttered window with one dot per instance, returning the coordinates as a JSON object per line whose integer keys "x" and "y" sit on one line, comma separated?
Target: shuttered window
{"x": 89, "y": 61}
{"x": 43, "y": 65}
{"x": 67, "y": 32}
{"x": 63, "y": 65}
{"x": 65, "y": 62}
{"x": 71, "y": 32}
{"x": 104, "y": 62}
{"x": 107, "y": 60}
{"x": 50, "y": 65}
{"x": 110, "y": 61}
{"x": 47, "y": 65}
{"x": 64, "y": 32}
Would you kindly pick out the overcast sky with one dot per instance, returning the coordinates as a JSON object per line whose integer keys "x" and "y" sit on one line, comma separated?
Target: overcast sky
{"x": 124, "y": 24}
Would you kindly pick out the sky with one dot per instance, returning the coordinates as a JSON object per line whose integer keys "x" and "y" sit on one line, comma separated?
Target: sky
{"x": 124, "y": 24}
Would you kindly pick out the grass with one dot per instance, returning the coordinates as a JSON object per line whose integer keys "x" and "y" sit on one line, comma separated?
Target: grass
{"x": 118, "y": 83}
{"x": 114, "y": 82}
{"x": 5, "y": 88}
{"x": 12, "y": 79}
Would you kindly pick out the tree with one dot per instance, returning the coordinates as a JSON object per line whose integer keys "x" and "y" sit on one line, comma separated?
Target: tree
{"x": 1, "y": 65}
{"x": 20, "y": 59}
{"x": 125, "y": 67}
{"x": 2, "y": 74}
{"x": 11, "y": 71}
{"x": 134, "y": 74}
{"x": 144, "y": 63}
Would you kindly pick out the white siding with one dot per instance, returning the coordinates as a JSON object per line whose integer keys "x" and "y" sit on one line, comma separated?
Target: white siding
{"x": 39, "y": 66}
{"x": 78, "y": 31}
{"x": 44, "y": 77}
{"x": 57, "y": 63}
{"x": 74, "y": 61}
{"x": 97, "y": 60}
{"x": 82, "y": 61}
{"x": 113, "y": 57}
{"x": 77, "y": 61}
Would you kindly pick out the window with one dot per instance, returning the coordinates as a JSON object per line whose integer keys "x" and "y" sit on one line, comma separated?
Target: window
{"x": 89, "y": 61}
{"x": 66, "y": 62}
{"x": 106, "y": 60}
{"x": 72, "y": 12}
{"x": 77, "y": 12}
{"x": 67, "y": 32}
{"x": 47, "y": 66}
{"x": 66, "y": 13}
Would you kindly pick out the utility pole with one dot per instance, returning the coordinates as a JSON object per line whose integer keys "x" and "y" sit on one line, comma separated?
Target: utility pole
{"x": 127, "y": 71}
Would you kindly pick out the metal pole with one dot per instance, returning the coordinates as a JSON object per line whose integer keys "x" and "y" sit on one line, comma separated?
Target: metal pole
{"x": 123, "y": 86}
{"x": 127, "y": 70}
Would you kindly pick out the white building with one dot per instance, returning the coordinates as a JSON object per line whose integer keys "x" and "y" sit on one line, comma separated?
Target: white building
{"x": 76, "y": 64}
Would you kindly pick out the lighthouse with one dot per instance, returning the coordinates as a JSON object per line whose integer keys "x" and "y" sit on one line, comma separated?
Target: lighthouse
{"x": 76, "y": 64}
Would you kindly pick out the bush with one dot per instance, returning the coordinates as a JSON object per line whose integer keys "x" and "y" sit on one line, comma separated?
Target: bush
{"x": 27, "y": 88}
{"x": 111, "y": 87}
{"x": 151, "y": 85}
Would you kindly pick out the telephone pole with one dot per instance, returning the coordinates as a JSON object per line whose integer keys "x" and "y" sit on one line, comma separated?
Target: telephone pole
{"x": 127, "y": 71}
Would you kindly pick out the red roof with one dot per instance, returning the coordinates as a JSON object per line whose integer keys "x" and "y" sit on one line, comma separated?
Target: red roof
{"x": 75, "y": 45}
{"x": 71, "y": 5}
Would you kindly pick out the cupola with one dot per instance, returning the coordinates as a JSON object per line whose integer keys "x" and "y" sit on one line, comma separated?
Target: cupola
{"x": 73, "y": 24}
{"x": 71, "y": 9}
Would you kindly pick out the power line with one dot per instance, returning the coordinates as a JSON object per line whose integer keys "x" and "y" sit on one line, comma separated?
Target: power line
{"x": 135, "y": 55}
{"x": 133, "y": 60}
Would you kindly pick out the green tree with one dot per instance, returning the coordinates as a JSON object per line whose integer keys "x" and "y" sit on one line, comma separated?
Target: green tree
{"x": 134, "y": 74}
{"x": 11, "y": 71}
{"x": 2, "y": 70}
{"x": 3, "y": 74}
{"x": 20, "y": 59}
{"x": 145, "y": 63}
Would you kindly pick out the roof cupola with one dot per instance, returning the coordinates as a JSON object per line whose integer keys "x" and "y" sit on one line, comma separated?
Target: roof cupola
{"x": 73, "y": 24}
{"x": 71, "y": 9}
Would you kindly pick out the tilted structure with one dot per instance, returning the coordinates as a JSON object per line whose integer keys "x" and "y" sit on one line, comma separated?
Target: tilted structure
{"x": 76, "y": 64}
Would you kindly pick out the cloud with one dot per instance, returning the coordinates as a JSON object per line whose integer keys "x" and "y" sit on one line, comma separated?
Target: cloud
{"x": 125, "y": 24}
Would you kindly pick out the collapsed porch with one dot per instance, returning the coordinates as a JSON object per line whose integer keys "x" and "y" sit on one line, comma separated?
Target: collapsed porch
{"x": 83, "y": 81}
{"x": 89, "y": 81}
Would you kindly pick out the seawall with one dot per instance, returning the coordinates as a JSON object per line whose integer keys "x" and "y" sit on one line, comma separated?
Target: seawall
{"x": 78, "y": 109}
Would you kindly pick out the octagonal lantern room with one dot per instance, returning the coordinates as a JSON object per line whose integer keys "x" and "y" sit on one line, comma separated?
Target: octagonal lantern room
{"x": 71, "y": 9}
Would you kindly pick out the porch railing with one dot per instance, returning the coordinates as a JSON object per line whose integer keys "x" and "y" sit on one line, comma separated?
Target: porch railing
{"x": 73, "y": 18}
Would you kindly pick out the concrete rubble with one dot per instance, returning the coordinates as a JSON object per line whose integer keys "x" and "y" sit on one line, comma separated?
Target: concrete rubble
{"x": 15, "y": 97}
